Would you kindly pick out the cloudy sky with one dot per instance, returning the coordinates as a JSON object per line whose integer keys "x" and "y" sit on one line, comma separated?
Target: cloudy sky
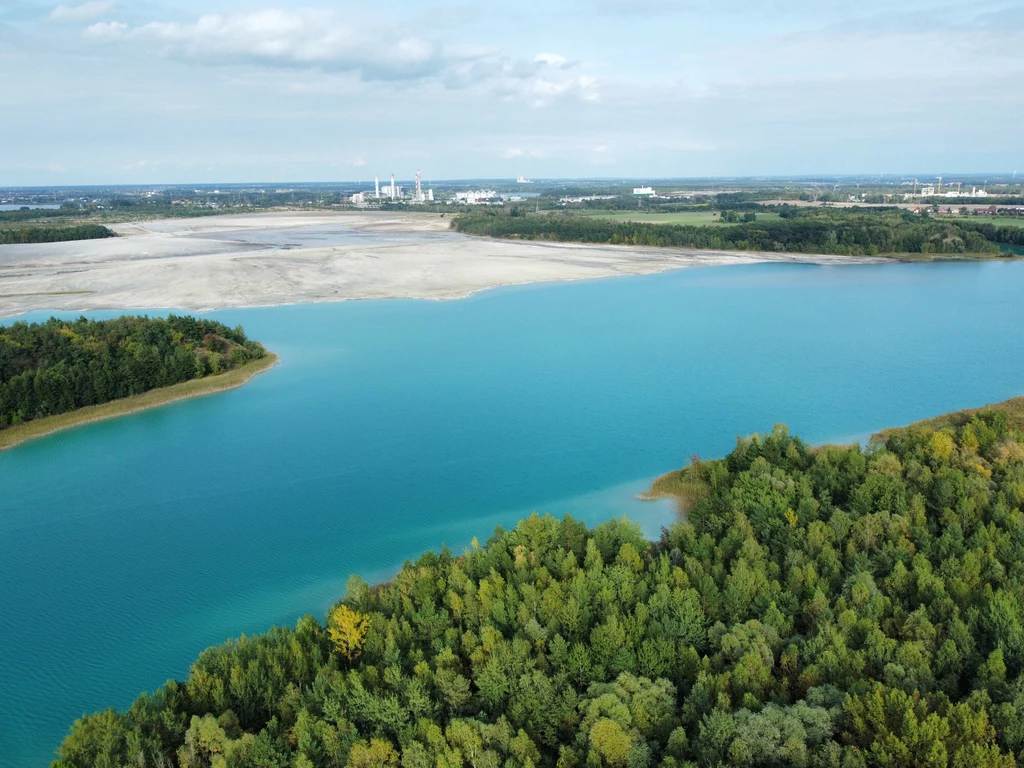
{"x": 165, "y": 91}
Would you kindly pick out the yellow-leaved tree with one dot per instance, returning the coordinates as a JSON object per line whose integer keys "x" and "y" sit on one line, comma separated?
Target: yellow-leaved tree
{"x": 347, "y": 629}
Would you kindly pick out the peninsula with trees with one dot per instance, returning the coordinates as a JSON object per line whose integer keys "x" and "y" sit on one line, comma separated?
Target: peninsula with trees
{"x": 61, "y": 373}
{"x": 841, "y": 606}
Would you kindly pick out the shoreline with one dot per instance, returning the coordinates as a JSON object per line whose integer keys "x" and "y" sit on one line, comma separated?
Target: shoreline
{"x": 288, "y": 258}
{"x": 1014, "y": 407}
{"x": 340, "y": 300}
{"x": 729, "y": 258}
{"x": 675, "y": 484}
{"x": 713, "y": 259}
{"x": 241, "y": 261}
{"x": 154, "y": 398}
{"x": 783, "y": 257}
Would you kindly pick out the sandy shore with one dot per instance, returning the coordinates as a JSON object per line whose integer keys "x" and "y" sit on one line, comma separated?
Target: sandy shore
{"x": 208, "y": 385}
{"x": 290, "y": 257}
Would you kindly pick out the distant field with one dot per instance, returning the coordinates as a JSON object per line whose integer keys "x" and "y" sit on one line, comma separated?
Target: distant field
{"x": 694, "y": 218}
{"x": 1001, "y": 221}
{"x": 712, "y": 217}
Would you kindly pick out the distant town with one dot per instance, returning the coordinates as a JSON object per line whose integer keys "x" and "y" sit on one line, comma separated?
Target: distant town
{"x": 936, "y": 194}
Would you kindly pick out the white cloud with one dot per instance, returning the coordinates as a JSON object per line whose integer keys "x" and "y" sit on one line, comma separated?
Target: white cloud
{"x": 70, "y": 14}
{"x": 542, "y": 91}
{"x": 464, "y": 94}
{"x": 330, "y": 43}
{"x": 106, "y": 30}
{"x": 290, "y": 38}
{"x": 551, "y": 59}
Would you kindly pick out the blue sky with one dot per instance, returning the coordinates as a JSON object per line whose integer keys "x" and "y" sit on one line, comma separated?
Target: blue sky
{"x": 119, "y": 91}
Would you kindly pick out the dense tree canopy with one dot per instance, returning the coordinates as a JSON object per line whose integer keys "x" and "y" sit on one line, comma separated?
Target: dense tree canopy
{"x": 50, "y": 234}
{"x": 58, "y": 366}
{"x": 832, "y": 607}
{"x": 818, "y": 230}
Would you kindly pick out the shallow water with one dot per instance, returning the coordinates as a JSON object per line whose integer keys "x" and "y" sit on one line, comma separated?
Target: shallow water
{"x": 391, "y": 427}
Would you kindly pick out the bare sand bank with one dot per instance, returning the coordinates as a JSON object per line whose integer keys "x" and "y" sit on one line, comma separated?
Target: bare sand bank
{"x": 290, "y": 257}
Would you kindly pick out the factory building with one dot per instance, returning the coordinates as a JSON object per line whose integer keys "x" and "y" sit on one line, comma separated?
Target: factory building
{"x": 477, "y": 197}
{"x": 392, "y": 192}
{"x": 420, "y": 196}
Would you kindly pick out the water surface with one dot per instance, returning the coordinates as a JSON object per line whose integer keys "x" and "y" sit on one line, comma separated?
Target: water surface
{"x": 391, "y": 427}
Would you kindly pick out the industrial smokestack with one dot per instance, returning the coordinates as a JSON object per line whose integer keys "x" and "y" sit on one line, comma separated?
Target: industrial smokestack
{"x": 376, "y": 185}
{"x": 419, "y": 188}
{"x": 392, "y": 186}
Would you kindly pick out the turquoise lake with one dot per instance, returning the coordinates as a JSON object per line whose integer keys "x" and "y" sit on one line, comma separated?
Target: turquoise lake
{"x": 392, "y": 427}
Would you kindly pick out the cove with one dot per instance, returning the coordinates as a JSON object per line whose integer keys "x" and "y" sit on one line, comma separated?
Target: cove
{"x": 391, "y": 427}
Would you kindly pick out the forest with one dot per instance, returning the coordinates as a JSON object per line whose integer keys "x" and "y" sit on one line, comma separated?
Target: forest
{"x": 831, "y": 607}
{"x": 816, "y": 230}
{"x": 60, "y": 365}
{"x": 50, "y": 234}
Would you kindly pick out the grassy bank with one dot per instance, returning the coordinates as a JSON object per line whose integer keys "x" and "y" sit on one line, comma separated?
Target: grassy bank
{"x": 1014, "y": 409}
{"x": 207, "y": 385}
{"x": 998, "y": 221}
{"x": 687, "y": 486}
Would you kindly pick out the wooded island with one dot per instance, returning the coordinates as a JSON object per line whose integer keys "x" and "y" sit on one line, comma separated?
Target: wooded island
{"x": 59, "y": 373}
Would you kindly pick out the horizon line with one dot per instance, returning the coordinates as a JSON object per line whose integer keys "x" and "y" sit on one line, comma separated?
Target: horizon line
{"x": 922, "y": 177}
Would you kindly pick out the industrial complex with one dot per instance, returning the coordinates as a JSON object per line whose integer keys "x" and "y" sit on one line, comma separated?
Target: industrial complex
{"x": 930, "y": 190}
{"x": 394, "y": 193}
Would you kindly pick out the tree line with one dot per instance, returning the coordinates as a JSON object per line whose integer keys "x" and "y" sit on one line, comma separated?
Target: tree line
{"x": 825, "y": 231}
{"x": 27, "y": 213}
{"x": 61, "y": 365}
{"x": 54, "y": 234}
{"x": 828, "y": 608}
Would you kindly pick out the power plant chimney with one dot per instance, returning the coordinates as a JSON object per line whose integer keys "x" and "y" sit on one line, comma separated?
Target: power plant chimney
{"x": 392, "y": 186}
{"x": 419, "y": 188}
{"x": 376, "y": 185}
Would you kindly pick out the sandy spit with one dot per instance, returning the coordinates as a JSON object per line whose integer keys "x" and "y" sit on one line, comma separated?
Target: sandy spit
{"x": 249, "y": 260}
